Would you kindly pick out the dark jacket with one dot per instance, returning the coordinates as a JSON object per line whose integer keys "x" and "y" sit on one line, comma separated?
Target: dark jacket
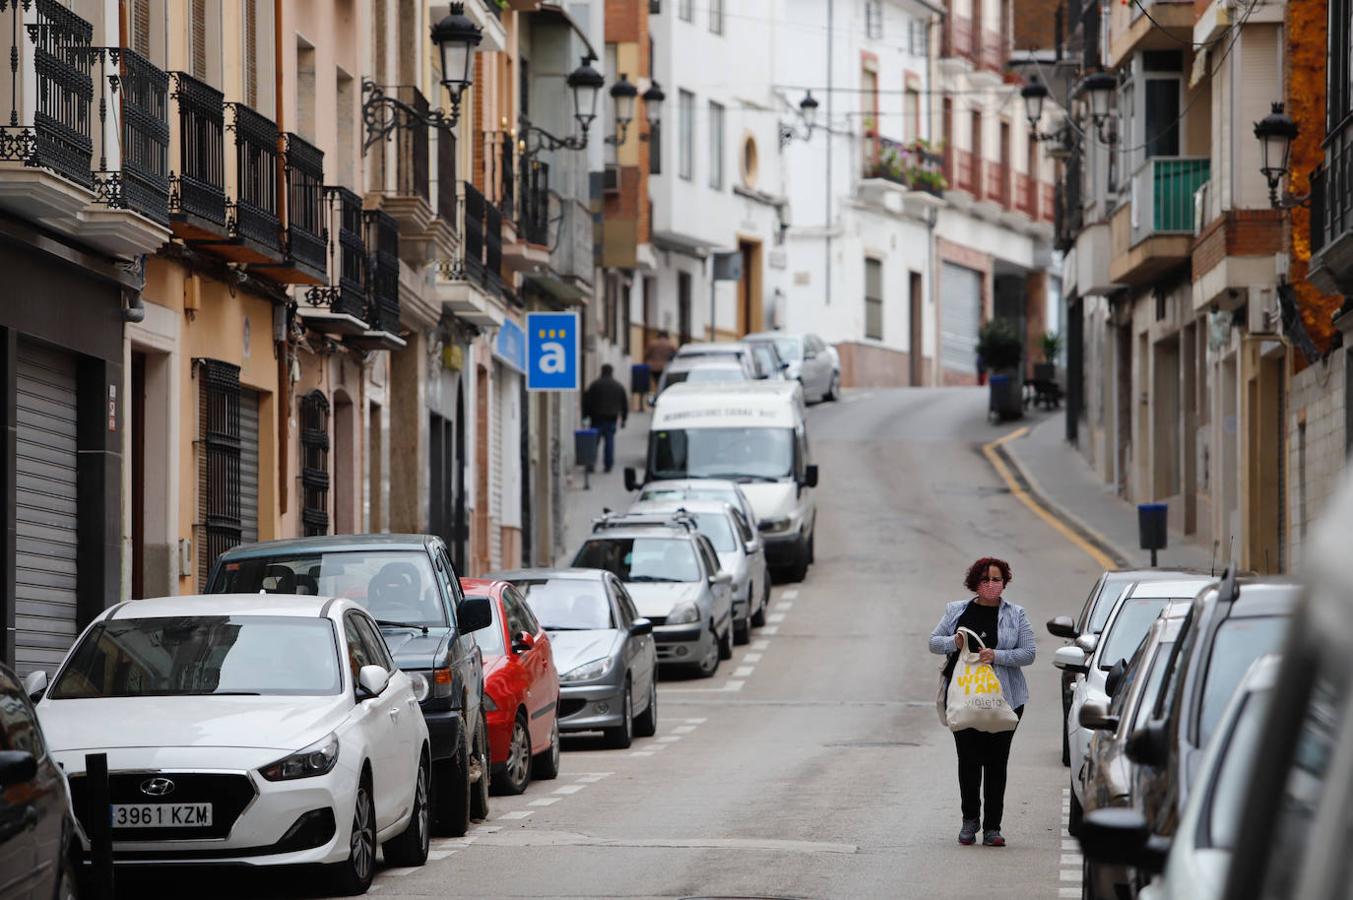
{"x": 605, "y": 400}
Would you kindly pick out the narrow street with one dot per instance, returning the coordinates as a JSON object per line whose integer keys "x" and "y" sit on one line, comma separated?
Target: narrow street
{"x": 812, "y": 765}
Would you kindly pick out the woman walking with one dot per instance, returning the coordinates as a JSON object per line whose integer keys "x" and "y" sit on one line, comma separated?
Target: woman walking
{"x": 1008, "y": 637}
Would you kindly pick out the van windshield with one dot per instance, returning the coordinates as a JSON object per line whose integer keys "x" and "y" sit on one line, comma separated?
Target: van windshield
{"x": 735, "y": 453}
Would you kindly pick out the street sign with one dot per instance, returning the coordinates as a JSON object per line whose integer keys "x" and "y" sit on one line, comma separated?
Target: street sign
{"x": 552, "y": 357}
{"x": 510, "y": 347}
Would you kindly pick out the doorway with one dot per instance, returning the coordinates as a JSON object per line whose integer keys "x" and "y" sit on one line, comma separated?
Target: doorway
{"x": 345, "y": 472}
{"x": 138, "y": 468}
{"x": 915, "y": 322}
{"x": 1266, "y": 470}
{"x": 750, "y": 313}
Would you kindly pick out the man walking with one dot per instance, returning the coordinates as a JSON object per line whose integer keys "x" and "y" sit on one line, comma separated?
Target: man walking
{"x": 605, "y": 402}
{"x": 657, "y": 355}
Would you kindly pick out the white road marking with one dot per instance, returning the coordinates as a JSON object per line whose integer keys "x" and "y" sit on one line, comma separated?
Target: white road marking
{"x": 569, "y": 789}
{"x": 790, "y": 594}
{"x": 642, "y": 753}
{"x": 1072, "y": 845}
{"x": 760, "y": 645}
{"x": 439, "y": 854}
{"x": 654, "y": 748}
{"x": 733, "y": 686}
{"x": 516, "y": 814}
{"x": 1073, "y": 892}
{"x": 669, "y": 739}
{"x": 752, "y": 658}
{"x": 771, "y": 629}
{"x": 401, "y": 871}
{"x": 696, "y": 721}
{"x": 775, "y": 618}
{"x": 743, "y": 671}
{"x": 785, "y": 604}
{"x": 545, "y": 801}
{"x": 593, "y": 777}
{"x": 1071, "y": 859}
{"x": 1071, "y": 875}
{"x": 683, "y": 729}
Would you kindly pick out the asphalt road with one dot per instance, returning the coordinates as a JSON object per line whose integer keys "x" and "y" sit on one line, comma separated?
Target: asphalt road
{"x": 813, "y": 765}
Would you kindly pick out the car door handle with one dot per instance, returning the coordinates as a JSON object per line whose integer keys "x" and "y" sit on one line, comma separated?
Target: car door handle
{"x": 394, "y": 712}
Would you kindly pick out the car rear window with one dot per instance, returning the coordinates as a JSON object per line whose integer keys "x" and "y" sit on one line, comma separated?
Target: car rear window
{"x": 641, "y": 559}
{"x": 568, "y": 604}
{"x": 1128, "y": 629}
{"x": 1239, "y": 642}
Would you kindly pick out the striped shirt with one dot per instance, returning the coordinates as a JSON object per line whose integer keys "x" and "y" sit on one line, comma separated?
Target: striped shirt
{"x": 1014, "y": 646}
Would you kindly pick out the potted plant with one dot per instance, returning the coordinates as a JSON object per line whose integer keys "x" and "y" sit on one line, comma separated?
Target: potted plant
{"x": 1051, "y": 344}
{"x": 1001, "y": 348}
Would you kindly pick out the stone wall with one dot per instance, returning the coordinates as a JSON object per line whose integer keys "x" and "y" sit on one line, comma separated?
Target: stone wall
{"x": 1316, "y": 454}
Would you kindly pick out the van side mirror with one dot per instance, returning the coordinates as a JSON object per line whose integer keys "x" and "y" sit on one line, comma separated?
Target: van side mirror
{"x": 1063, "y": 627}
{"x": 810, "y": 475}
{"x": 35, "y": 684}
{"x": 1120, "y": 836}
{"x": 473, "y": 613}
{"x": 631, "y": 479}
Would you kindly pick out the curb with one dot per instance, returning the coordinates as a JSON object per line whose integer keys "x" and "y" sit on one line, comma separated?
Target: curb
{"x": 1026, "y": 489}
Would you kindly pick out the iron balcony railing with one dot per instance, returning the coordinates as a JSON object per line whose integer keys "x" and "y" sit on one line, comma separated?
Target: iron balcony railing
{"x": 134, "y": 126}
{"x": 383, "y": 237}
{"x": 345, "y": 293}
{"x": 304, "y": 173}
{"x": 197, "y": 188}
{"x": 447, "y": 201}
{"x": 1162, "y": 193}
{"x": 411, "y": 147}
{"x": 533, "y": 223}
{"x": 912, "y": 165}
{"x": 255, "y": 202}
{"x": 1332, "y": 191}
{"x": 481, "y": 251}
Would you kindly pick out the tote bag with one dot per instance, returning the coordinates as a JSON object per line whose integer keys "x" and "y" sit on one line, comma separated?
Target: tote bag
{"x": 974, "y": 698}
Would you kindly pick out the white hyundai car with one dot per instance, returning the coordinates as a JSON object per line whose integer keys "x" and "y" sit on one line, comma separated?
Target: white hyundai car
{"x": 251, "y": 729}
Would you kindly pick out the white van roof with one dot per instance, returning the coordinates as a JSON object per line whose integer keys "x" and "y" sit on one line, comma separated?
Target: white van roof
{"x": 763, "y": 404}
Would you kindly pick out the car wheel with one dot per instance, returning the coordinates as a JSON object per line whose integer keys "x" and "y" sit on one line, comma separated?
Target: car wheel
{"x": 545, "y": 766}
{"x": 353, "y": 875}
{"x": 759, "y": 617}
{"x": 622, "y": 735}
{"x": 726, "y": 642}
{"x": 646, "y": 725}
{"x": 709, "y": 664}
{"x": 1074, "y": 818}
{"x": 834, "y": 388}
{"x": 480, "y": 773}
{"x": 451, "y": 788}
{"x": 516, "y": 772}
{"x": 68, "y": 880}
{"x": 799, "y": 569}
{"x": 410, "y": 848}
{"x": 742, "y": 631}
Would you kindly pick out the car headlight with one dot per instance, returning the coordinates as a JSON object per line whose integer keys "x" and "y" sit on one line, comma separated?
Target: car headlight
{"x": 317, "y": 759}
{"x": 775, "y": 524}
{"x": 421, "y": 688}
{"x": 588, "y": 670}
{"x": 684, "y": 614}
{"x": 489, "y": 705}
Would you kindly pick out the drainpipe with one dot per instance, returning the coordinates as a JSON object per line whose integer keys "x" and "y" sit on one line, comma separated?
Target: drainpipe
{"x": 284, "y": 389}
{"x": 827, "y": 285}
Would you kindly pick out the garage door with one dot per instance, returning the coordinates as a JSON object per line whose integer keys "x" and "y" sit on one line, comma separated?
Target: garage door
{"x": 45, "y": 510}
{"x": 248, "y": 466}
{"x": 960, "y": 318}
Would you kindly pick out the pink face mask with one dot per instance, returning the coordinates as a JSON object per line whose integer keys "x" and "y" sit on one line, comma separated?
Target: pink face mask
{"x": 990, "y": 590}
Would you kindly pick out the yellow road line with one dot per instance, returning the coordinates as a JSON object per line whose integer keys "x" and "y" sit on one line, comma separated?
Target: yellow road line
{"x": 1037, "y": 508}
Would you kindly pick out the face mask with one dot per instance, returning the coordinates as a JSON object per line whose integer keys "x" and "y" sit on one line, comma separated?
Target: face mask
{"x": 990, "y": 590}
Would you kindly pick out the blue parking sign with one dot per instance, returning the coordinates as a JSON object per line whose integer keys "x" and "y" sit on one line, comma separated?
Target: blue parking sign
{"x": 552, "y": 352}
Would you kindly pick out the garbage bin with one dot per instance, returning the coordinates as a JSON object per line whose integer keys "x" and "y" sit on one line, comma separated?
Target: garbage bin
{"x": 1152, "y": 526}
{"x": 1005, "y": 402}
{"x": 585, "y": 447}
{"x": 640, "y": 378}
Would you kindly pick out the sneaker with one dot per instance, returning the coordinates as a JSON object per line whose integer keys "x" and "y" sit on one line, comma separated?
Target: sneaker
{"x": 967, "y": 835}
{"x": 992, "y": 838}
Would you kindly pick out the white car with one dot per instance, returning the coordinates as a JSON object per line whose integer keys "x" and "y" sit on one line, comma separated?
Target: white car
{"x": 249, "y": 729}
{"x": 1095, "y": 656}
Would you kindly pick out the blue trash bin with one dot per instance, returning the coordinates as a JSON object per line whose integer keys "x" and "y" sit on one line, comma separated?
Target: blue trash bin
{"x": 585, "y": 441}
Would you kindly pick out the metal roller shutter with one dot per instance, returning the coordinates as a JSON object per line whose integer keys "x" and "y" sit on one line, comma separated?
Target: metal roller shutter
{"x": 960, "y": 317}
{"x": 45, "y": 508}
{"x": 248, "y": 465}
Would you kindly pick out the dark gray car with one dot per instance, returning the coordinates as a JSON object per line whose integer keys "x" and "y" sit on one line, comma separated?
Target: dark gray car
{"x": 603, "y": 650}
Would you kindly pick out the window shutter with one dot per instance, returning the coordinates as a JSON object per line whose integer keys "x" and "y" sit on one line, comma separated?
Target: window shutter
{"x": 251, "y": 53}
{"x": 141, "y": 27}
{"x": 198, "y": 39}
{"x": 218, "y": 463}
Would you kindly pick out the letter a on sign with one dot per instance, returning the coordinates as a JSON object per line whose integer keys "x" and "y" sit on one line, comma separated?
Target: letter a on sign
{"x": 552, "y": 352}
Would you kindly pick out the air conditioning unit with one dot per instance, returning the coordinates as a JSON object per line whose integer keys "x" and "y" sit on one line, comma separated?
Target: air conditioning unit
{"x": 655, "y": 7}
{"x": 610, "y": 179}
{"x": 1263, "y": 314}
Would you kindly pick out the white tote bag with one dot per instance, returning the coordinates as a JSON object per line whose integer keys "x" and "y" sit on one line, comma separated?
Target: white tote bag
{"x": 975, "y": 699}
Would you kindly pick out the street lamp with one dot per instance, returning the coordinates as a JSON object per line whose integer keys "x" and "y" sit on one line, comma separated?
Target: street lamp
{"x": 808, "y": 110}
{"x": 807, "y": 115}
{"x": 1275, "y": 132}
{"x": 623, "y": 96}
{"x": 653, "y": 98}
{"x": 1034, "y": 93}
{"x": 1098, "y": 88}
{"x": 586, "y": 83}
{"x": 456, "y": 38}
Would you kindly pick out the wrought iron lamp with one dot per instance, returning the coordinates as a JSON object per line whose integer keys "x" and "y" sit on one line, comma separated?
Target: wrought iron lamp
{"x": 1098, "y": 89}
{"x": 1275, "y": 132}
{"x": 586, "y": 83}
{"x": 807, "y": 115}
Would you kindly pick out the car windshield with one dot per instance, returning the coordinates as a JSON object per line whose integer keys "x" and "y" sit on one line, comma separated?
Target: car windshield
{"x": 490, "y": 640}
{"x": 568, "y": 604}
{"x": 1129, "y": 627}
{"x": 723, "y": 453}
{"x": 671, "y": 377}
{"x": 393, "y": 585}
{"x": 1226, "y": 799}
{"x": 715, "y": 374}
{"x": 718, "y": 529}
{"x": 1239, "y": 642}
{"x": 199, "y": 655}
{"x": 641, "y": 559}
{"x": 1108, "y": 596}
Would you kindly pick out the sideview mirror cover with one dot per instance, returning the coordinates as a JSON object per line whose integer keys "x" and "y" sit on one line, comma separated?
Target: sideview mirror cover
{"x": 473, "y": 614}
{"x": 641, "y": 626}
{"x": 372, "y": 681}
{"x": 35, "y": 684}
{"x": 1063, "y": 627}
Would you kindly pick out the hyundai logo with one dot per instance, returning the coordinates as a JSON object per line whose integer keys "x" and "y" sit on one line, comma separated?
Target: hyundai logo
{"x": 157, "y": 787}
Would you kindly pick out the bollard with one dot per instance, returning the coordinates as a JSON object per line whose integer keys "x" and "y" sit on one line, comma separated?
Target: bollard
{"x": 1152, "y": 521}
{"x": 98, "y": 824}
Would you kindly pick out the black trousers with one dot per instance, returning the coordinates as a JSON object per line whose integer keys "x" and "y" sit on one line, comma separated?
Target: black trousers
{"x": 982, "y": 759}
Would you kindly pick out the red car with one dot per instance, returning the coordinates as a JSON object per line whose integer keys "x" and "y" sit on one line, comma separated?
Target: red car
{"x": 521, "y": 688}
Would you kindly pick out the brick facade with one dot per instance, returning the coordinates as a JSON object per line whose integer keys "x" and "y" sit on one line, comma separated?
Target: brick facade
{"x": 1237, "y": 232}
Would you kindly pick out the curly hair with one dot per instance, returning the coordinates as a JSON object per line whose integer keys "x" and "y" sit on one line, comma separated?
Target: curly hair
{"x": 981, "y": 567}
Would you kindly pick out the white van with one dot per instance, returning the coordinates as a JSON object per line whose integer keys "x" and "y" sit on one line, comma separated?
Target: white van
{"x": 752, "y": 433}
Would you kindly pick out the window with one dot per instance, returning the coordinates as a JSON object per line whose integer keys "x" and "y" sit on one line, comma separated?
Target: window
{"x": 707, "y": 553}
{"x": 873, "y": 299}
{"x": 1238, "y": 643}
{"x": 873, "y": 19}
{"x": 567, "y": 604}
{"x": 490, "y": 640}
{"x": 315, "y": 464}
{"x": 686, "y": 124}
{"x": 716, "y": 16}
{"x": 1339, "y": 65}
{"x": 1162, "y": 117}
{"x": 911, "y": 114}
{"x": 218, "y": 470}
{"x": 716, "y": 145}
{"x": 656, "y": 559}
{"x": 686, "y": 10}
{"x": 249, "y": 9}
{"x": 139, "y": 26}
{"x": 684, "y": 307}
{"x": 517, "y": 623}
{"x": 1129, "y": 627}
{"x": 359, "y": 652}
{"x": 197, "y": 39}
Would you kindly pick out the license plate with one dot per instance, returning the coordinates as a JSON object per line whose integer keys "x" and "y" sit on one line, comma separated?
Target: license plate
{"x": 161, "y": 815}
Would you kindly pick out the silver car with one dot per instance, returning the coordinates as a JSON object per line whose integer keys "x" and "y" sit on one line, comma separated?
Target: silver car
{"x": 740, "y": 550}
{"x": 724, "y": 489}
{"x": 811, "y": 362}
{"x": 603, "y": 651}
{"x": 672, "y": 572}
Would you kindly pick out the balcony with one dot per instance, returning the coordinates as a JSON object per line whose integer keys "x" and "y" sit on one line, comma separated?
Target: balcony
{"x": 1153, "y": 232}
{"x": 339, "y": 307}
{"x": 411, "y": 202}
{"x": 568, "y": 279}
{"x": 382, "y": 314}
{"x": 995, "y": 50}
{"x": 1332, "y": 215}
{"x": 256, "y": 225}
{"x": 531, "y": 251}
{"x": 1168, "y": 27}
{"x": 469, "y": 283}
{"x": 48, "y": 147}
{"x": 956, "y": 40}
{"x": 304, "y": 240}
{"x": 959, "y": 167}
{"x": 997, "y": 189}
{"x": 197, "y": 199}
{"x": 912, "y": 166}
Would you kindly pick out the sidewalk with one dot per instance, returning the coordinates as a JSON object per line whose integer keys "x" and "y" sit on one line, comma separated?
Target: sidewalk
{"x": 1064, "y": 481}
{"x": 607, "y": 491}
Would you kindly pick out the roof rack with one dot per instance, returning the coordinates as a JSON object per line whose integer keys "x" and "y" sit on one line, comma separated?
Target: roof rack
{"x": 678, "y": 516}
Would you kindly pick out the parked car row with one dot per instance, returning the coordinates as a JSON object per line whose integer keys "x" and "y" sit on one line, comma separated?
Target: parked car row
{"x": 765, "y": 356}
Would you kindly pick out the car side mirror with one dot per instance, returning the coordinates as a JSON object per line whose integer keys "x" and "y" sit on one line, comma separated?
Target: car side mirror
{"x": 1070, "y": 659}
{"x": 641, "y": 626}
{"x": 631, "y": 479}
{"x": 809, "y": 475}
{"x": 1088, "y": 643}
{"x": 1063, "y": 627}
{"x": 1120, "y": 836}
{"x": 372, "y": 681}
{"x": 1095, "y": 716}
{"x": 1114, "y": 680}
{"x": 751, "y": 548}
{"x": 724, "y": 578}
{"x": 474, "y": 613}
{"x": 1149, "y": 745}
{"x": 809, "y": 354}
{"x": 523, "y": 642}
{"x": 16, "y": 767}
{"x": 35, "y": 684}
